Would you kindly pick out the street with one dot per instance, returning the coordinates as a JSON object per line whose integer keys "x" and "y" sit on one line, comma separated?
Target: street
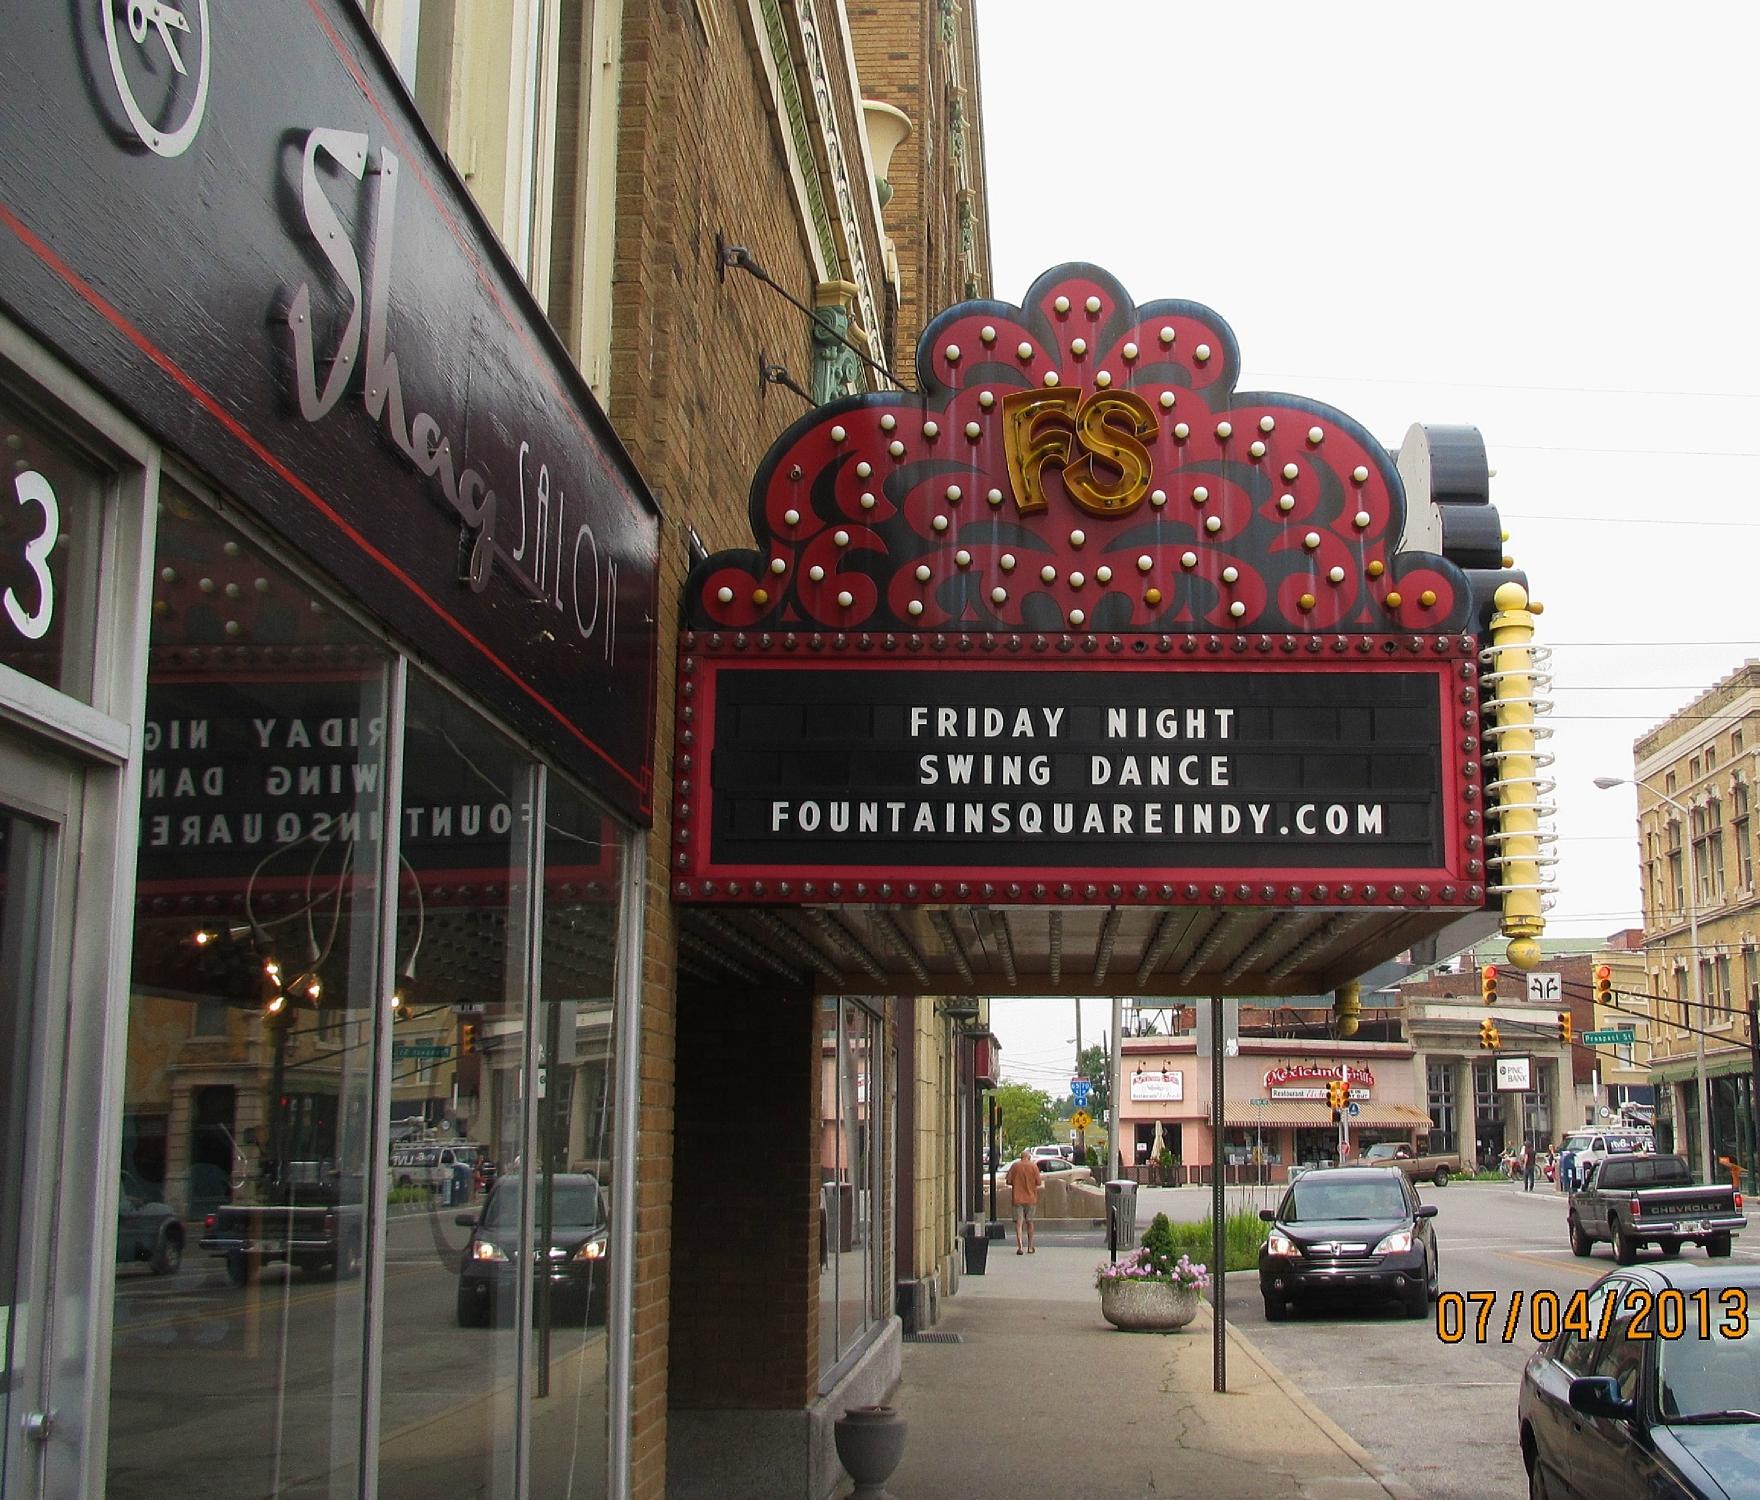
{"x": 1441, "y": 1417}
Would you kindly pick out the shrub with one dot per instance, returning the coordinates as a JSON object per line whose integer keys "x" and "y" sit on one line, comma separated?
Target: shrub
{"x": 1156, "y": 1259}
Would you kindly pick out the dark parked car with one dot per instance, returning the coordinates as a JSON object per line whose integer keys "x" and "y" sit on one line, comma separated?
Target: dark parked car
{"x": 579, "y": 1274}
{"x": 1355, "y": 1232}
{"x": 146, "y": 1229}
{"x": 1666, "y": 1406}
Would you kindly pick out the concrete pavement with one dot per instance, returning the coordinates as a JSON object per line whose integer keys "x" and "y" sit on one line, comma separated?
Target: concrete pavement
{"x": 1042, "y": 1397}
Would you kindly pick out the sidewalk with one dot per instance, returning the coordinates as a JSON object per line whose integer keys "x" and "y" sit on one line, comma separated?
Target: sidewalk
{"x": 1042, "y": 1397}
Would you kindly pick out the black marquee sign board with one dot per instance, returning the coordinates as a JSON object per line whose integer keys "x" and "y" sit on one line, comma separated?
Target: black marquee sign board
{"x": 1081, "y": 622}
{"x": 230, "y": 220}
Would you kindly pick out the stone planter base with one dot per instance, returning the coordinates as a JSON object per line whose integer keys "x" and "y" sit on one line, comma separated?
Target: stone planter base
{"x": 1147, "y": 1306}
{"x": 870, "y": 1443}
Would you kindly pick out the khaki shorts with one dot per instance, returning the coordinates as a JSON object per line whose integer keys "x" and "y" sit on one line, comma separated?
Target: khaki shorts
{"x": 1024, "y": 1211}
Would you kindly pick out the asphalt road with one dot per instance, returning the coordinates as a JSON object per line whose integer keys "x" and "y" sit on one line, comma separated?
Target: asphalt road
{"x": 238, "y": 1392}
{"x": 1441, "y": 1416}
{"x": 1438, "y": 1416}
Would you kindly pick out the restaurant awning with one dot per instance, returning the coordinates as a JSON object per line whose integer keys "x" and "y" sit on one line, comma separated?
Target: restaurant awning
{"x": 1304, "y": 1114}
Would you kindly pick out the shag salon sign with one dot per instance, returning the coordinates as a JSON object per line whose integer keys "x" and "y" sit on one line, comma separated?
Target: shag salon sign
{"x": 1079, "y": 623}
{"x": 235, "y": 226}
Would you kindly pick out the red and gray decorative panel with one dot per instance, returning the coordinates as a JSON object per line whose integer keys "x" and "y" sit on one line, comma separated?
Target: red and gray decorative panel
{"x": 1081, "y": 623}
{"x": 1079, "y": 464}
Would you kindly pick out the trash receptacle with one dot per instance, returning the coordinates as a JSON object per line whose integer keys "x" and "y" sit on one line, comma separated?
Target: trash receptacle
{"x": 1121, "y": 1214}
{"x": 977, "y": 1250}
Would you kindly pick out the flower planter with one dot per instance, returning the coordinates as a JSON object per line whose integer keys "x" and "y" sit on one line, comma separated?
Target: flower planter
{"x": 1147, "y": 1306}
{"x": 870, "y": 1443}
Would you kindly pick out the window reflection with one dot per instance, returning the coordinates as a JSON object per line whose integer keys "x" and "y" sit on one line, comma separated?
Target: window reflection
{"x": 25, "y": 851}
{"x": 851, "y": 1107}
{"x": 570, "y": 1412}
{"x": 246, "y": 1113}
{"x": 456, "y": 1237}
{"x": 256, "y": 1023}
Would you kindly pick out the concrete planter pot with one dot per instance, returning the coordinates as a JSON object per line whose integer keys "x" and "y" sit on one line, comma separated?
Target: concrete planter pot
{"x": 870, "y": 1443}
{"x": 1147, "y": 1306}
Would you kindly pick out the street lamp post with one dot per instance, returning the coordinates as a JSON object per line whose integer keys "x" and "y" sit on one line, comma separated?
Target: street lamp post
{"x": 1693, "y": 985}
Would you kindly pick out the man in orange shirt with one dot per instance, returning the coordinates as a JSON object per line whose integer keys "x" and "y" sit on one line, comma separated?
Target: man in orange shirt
{"x": 1023, "y": 1186}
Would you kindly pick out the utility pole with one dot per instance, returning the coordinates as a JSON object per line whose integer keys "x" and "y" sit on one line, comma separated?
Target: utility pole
{"x": 1115, "y": 1073}
{"x": 1076, "y": 1072}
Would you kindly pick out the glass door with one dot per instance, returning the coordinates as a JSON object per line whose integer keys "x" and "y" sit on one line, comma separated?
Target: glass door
{"x": 37, "y": 808}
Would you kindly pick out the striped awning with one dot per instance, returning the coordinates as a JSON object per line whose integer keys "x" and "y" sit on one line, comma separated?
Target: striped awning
{"x": 1303, "y": 1114}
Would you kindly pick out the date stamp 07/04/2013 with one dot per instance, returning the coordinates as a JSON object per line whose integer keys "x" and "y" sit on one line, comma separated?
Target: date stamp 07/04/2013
{"x": 1471, "y": 1317}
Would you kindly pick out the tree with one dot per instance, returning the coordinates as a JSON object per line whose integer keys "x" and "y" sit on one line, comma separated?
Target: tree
{"x": 1028, "y": 1116}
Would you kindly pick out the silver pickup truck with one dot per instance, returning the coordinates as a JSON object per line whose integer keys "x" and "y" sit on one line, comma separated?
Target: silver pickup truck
{"x": 1641, "y": 1200}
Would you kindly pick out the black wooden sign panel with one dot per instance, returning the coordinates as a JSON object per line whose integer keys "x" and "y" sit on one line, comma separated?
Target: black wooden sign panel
{"x": 254, "y": 247}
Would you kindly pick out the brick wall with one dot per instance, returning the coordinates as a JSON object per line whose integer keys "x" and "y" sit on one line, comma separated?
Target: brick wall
{"x": 726, "y": 1256}
{"x": 904, "y": 59}
{"x": 746, "y": 1182}
{"x": 698, "y": 152}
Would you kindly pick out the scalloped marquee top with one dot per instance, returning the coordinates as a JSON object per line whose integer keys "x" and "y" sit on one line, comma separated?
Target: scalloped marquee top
{"x": 1079, "y": 464}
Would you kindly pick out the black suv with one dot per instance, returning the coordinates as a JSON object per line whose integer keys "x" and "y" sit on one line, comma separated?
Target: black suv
{"x": 1349, "y": 1231}
{"x": 575, "y": 1259}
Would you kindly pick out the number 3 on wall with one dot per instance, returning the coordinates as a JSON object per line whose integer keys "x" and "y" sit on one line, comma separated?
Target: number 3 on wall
{"x": 31, "y": 487}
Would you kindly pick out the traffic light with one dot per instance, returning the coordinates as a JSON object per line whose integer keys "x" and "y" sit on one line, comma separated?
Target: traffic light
{"x": 1603, "y": 984}
{"x": 1488, "y": 1036}
{"x": 1488, "y": 983}
{"x": 1564, "y": 1027}
{"x": 1496, "y": 1037}
{"x": 467, "y": 1037}
{"x": 1338, "y": 1094}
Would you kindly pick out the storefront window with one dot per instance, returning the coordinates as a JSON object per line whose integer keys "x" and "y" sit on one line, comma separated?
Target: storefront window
{"x": 239, "y": 1320}
{"x": 1314, "y": 1146}
{"x": 49, "y": 515}
{"x": 852, "y": 1095}
{"x": 1439, "y": 1086}
{"x": 456, "y": 1243}
{"x": 576, "y": 1131}
{"x": 268, "y": 1060}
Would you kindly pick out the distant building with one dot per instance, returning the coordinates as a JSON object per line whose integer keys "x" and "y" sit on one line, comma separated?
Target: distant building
{"x": 1444, "y": 1010}
{"x": 1696, "y": 774}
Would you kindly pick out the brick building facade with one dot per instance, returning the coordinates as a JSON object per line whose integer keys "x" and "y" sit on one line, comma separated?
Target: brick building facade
{"x": 1695, "y": 775}
{"x": 742, "y": 124}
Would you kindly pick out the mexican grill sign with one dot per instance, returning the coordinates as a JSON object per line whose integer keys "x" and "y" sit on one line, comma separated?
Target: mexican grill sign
{"x": 1081, "y": 623}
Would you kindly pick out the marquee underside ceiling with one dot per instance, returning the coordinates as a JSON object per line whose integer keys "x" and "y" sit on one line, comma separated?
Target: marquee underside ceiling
{"x": 1024, "y": 950}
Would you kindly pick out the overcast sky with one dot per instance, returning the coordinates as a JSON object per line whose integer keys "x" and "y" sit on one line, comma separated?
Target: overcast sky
{"x": 1535, "y": 220}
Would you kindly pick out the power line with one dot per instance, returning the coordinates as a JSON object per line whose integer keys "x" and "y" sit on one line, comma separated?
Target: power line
{"x": 1498, "y": 385}
{"x": 1642, "y": 645}
{"x": 1672, "y": 522}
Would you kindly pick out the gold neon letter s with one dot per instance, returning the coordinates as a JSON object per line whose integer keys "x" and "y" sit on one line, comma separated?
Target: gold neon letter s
{"x": 1108, "y": 427}
{"x": 1038, "y": 428}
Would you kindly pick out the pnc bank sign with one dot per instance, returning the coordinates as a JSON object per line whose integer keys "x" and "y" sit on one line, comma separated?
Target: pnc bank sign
{"x": 1080, "y": 622}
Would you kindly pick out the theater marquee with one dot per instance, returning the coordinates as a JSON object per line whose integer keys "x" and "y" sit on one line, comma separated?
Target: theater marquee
{"x": 1080, "y": 624}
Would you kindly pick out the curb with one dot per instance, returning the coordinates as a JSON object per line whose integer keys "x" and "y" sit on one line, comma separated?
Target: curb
{"x": 1345, "y": 1443}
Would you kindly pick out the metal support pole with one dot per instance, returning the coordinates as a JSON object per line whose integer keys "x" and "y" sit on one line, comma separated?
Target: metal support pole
{"x": 1115, "y": 1125}
{"x": 995, "y": 1115}
{"x": 1700, "y": 1018}
{"x": 1218, "y": 1230}
{"x": 1081, "y": 1135}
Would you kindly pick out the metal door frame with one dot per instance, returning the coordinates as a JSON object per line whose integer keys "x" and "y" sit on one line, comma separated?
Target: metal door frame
{"x": 73, "y": 1178}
